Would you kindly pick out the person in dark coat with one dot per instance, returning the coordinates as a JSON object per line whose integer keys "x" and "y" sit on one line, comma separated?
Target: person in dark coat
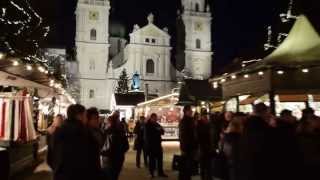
{"x": 71, "y": 155}
{"x": 154, "y": 131}
{"x": 115, "y": 147}
{"x": 308, "y": 139}
{"x": 139, "y": 144}
{"x": 257, "y": 146}
{"x": 231, "y": 143}
{"x": 96, "y": 141}
{"x": 188, "y": 143}
{"x": 204, "y": 137}
{"x": 287, "y": 155}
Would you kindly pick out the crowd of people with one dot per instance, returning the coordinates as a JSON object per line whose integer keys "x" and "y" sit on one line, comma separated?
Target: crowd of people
{"x": 257, "y": 146}
{"x": 229, "y": 146}
{"x": 84, "y": 147}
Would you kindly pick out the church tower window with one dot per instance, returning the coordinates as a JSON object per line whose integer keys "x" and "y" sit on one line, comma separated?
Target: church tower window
{"x": 93, "y": 34}
{"x": 197, "y": 7}
{"x": 153, "y": 41}
{"x": 91, "y": 94}
{"x": 198, "y": 44}
{"x": 150, "y": 66}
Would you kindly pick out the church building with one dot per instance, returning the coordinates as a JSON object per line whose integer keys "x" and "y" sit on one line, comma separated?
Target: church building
{"x": 104, "y": 51}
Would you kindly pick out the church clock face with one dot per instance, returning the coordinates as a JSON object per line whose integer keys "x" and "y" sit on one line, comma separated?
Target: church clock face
{"x": 94, "y": 15}
{"x": 198, "y": 26}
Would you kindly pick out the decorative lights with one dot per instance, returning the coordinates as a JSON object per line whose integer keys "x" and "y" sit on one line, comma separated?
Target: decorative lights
{"x": 280, "y": 72}
{"x": 41, "y": 69}
{"x": 215, "y": 85}
{"x": 305, "y": 70}
{"x": 233, "y": 77}
{"x": 2, "y": 55}
{"x": 261, "y": 73}
{"x": 223, "y": 80}
{"x": 246, "y": 76}
{"x": 15, "y": 63}
{"x": 28, "y": 67}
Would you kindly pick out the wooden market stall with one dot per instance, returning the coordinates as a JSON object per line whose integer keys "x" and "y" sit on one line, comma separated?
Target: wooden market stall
{"x": 22, "y": 86}
{"x": 286, "y": 79}
{"x": 201, "y": 94}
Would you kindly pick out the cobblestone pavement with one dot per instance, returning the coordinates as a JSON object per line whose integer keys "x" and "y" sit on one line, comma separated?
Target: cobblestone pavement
{"x": 42, "y": 171}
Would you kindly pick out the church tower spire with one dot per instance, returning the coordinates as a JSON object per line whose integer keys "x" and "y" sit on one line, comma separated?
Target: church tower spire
{"x": 196, "y": 17}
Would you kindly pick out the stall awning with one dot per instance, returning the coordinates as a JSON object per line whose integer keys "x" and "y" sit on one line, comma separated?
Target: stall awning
{"x": 293, "y": 98}
{"x": 7, "y": 79}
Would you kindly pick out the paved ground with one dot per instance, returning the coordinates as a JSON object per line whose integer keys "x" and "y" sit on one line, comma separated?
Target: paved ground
{"x": 42, "y": 171}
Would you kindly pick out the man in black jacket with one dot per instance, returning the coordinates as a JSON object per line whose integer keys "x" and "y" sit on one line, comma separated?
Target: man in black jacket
{"x": 154, "y": 131}
{"x": 71, "y": 155}
{"x": 188, "y": 143}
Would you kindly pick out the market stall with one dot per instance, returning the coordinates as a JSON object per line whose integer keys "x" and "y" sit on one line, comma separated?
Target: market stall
{"x": 168, "y": 112}
{"x": 286, "y": 79}
{"x": 201, "y": 94}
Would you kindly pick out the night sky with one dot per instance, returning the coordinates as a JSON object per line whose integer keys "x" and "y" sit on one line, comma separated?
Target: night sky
{"x": 239, "y": 26}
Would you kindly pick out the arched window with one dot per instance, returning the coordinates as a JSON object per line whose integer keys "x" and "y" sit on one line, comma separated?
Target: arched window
{"x": 198, "y": 44}
{"x": 91, "y": 94}
{"x": 150, "y": 66}
{"x": 93, "y": 34}
{"x": 197, "y": 7}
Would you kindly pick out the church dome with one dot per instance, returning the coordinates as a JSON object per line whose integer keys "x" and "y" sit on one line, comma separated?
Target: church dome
{"x": 117, "y": 28}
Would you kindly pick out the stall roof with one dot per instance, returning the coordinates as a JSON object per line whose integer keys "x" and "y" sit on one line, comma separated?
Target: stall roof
{"x": 198, "y": 90}
{"x": 300, "y": 48}
{"x": 130, "y": 99}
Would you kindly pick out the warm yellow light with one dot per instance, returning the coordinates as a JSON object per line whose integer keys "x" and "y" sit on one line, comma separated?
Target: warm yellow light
{"x": 29, "y": 67}
{"x": 215, "y": 85}
{"x": 41, "y": 69}
{"x": 15, "y": 63}
{"x": 2, "y": 55}
{"x": 261, "y": 73}
{"x": 246, "y": 76}
{"x": 233, "y": 77}
{"x": 223, "y": 80}
{"x": 305, "y": 70}
{"x": 280, "y": 72}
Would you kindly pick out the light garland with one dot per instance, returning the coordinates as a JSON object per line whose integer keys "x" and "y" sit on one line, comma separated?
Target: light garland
{"x": 223, "y": 79}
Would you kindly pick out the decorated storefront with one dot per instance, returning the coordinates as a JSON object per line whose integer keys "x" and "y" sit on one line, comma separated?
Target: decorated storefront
{"x": 286, "y": 79}
{"x": 168, "y": 113}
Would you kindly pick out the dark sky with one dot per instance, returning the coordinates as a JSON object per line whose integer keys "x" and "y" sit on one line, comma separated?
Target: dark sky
{"x": 239, "y": 26}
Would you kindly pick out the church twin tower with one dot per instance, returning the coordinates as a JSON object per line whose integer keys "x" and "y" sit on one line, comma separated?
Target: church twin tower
{"x": 92, "y": 42}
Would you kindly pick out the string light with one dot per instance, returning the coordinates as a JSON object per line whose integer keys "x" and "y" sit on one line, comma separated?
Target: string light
{"x": 305, "y": 70}
{"x": 246, "y": 76}
{"x": 15, "y": 63}
{"x": 280, "y": 72}
{"x": 261, "y": 73}
{"x": 41, "y": 69}
{"x": 28, "y": 67}
{"x": 2, "y": 55}
{"x": 233, "y": 77}
{"x": 223, "y": 80}
{"x": 215, "y": 85}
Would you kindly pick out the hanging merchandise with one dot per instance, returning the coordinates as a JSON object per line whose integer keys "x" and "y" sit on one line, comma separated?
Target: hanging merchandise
{"x": 16, "y": 115}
